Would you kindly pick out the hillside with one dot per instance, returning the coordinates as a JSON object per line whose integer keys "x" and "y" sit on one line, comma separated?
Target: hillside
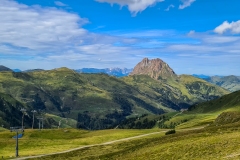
{"x": 231, "y": 83}
{"x": 224, "y": 103}
{"x": 98, "y": 101}
{"x": 10, "y": 114}
{"x": 219, "y": 111}
{"x": 65, "y": 93}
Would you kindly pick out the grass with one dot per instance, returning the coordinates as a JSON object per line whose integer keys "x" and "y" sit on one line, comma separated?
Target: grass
{"x": 37, "y": 142}
{"x": 194, "y": 120}
{"x": 210, "y": 143}
{"x": 213, "y": 142}
{"x": 2, "y": 129}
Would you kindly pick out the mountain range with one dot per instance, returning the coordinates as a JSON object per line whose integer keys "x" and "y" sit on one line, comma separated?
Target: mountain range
{"x": 231, "y": 83}
{"x": 118, "y": 72}
{"x": 98, "y": 101}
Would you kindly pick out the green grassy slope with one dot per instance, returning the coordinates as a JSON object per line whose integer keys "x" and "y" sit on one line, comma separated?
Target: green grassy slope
{"x": 99, "y": 101}
{"x": 66, "y": 93}
{"x": 208, "y": 143}
{"x": 226, "y": 102}
{"x": 207, "y": 112}
{"x": 177, "y": 93}
{"x": 36, "y": 142}
{"x": 201, "y": 114}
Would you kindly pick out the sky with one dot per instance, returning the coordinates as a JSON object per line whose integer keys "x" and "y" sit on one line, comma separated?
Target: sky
{"x": 192, "y": 36}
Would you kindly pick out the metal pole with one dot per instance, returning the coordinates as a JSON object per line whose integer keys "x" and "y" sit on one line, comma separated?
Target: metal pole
{"x": 17, "y": 145}
{"x": 23, "y": 110}
{"x": 33, "y": 111}
{"x": 22, "y": 119}
{"x": 42, "y": 123}
{"x": 33, "y": 120}
{"x": 39, "y": 125}
{"x": 17, "y": 129}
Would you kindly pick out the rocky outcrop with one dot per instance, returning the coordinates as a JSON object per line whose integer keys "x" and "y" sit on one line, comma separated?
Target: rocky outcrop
{"x": 155, "y": 68}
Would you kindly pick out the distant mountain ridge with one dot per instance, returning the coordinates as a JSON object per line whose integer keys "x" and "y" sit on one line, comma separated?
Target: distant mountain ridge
{"x": 34, "y": 70}
{"x": 231, "y": 83}
{"x": 118, "y": 72}
{"x": 155, "y": 68}
{"x": 3, "y": 68}
{"x": 202, "y": 76}
{"x": 16, "y": 70}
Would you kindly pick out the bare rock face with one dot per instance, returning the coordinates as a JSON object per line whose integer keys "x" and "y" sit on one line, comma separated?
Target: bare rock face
{"x": 155, "y": 68}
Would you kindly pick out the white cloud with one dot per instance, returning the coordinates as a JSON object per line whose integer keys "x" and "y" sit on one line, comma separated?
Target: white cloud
{"x": 60, "y": 4}
{"x": 134, "y": 6}
{"x": 169, "y": 7}
{"x": 38, "y": 28}
{"x": 220, "y": 39}
{"x": 186, "y": 3}
{"x": 233, "y": 27}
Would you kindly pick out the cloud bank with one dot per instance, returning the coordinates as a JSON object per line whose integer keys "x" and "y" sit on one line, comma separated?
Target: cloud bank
{"x": 38, "y": 28}
{"x": 134, "y": 6}
{"x": 233, "y": 27}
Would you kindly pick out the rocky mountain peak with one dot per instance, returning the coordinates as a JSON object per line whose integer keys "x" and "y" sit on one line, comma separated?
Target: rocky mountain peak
{"x": 155, "y": 68}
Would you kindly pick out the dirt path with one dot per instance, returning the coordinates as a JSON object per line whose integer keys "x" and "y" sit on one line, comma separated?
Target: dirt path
{"x": 87, "y": 146}
{"x": 105, "y": 143}
{"x": 177, "y": 114}
{"x": 232, "y": 156}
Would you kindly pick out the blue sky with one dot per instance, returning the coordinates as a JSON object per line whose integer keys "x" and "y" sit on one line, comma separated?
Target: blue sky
{"x": 192, "y": 36}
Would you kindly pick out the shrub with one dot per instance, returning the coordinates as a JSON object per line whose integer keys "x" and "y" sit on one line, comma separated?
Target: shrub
{"x": 170, "y": 132}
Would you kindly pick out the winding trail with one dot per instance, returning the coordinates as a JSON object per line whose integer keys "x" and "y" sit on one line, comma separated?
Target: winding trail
{"x": 105, "y": 143}
{"x": 177, "y": 114}
{"x": 88, "y": 146}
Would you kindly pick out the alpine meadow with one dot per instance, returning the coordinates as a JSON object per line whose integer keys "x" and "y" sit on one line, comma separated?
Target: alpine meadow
{"x": 114, "y": 79}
